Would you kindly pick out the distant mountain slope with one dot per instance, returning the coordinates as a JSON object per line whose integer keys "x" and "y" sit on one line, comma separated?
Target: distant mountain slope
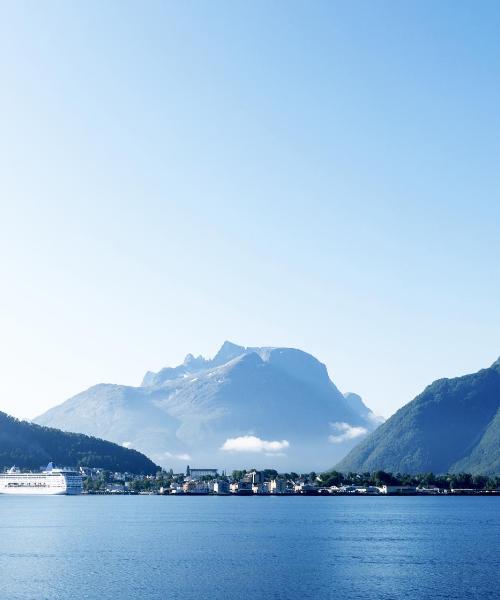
{"x": 27, "y": 445}
{"x": 454, "y": 425}
{"x": 246, "y": 406}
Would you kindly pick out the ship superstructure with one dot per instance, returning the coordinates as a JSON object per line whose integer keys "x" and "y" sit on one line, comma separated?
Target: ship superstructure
{"x": 50, "y": 482}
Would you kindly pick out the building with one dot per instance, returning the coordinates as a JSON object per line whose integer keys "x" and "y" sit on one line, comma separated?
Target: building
{"x": 351, "y": 489}
{"x": 221, "y": 487}
{"x": 434, "y": 491}
{"x": 114, "y": 488}
{"x": 260, "y": 488}
{"x": 199, "y": 473}
{"x": 241, "y": 488}
{"x": 277, "y": 486}
{"x": 195, "y": 487}
{"x": 398, "y": 490}
{"x": 369, "y": 490}
{"x": 254, "y": 477}
{"x": 306, "y": 489}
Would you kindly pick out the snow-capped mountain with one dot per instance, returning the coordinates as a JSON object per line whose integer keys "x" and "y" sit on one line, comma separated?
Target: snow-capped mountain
{"x": 264, "y": 407}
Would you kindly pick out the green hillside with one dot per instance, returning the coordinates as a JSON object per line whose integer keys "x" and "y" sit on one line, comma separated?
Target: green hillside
{"x": 30, "y": 446}
{"x": 454, "y": 425}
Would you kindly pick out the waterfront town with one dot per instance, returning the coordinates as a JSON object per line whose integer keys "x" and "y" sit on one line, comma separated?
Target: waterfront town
{"x": 209, "y": 481}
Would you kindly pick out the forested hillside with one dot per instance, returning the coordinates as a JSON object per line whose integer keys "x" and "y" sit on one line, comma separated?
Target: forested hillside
{"x": 30, "y": 446}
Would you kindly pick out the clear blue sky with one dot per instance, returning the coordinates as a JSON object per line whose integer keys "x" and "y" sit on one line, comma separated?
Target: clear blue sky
{"x": 321, "y": 175}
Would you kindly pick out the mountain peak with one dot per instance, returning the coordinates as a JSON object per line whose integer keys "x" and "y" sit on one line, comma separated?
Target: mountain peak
{"x": 192, "y": 361}
{"x": 189, "y": 358}
{"x": 496, "y": 365}
{"x": 228, "y": 351}
{"x": 189, "y": 412}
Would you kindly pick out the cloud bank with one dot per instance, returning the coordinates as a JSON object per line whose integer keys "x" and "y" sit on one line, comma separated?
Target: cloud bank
{"x": 345, "y": 432}
{"x": 251, "y": 443}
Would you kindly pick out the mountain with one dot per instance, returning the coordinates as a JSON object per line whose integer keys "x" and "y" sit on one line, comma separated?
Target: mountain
{"x": 264, "y": 407}
{"x": 453, "y": 426}
{"x": 30, "y": 446}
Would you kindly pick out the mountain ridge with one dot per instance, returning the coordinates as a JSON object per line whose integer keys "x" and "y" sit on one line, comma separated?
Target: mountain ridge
{"x": 189, "y": 412}
{"x": 28, "y": 445}
{"x": 453, "y": 425}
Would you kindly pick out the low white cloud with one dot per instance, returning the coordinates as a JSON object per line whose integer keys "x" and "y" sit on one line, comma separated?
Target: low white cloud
{"x": 127, "y": 444}
{"x": 252, "y": 443}
{"x": 345, "y": 432}
{"x": 182, "y": 456}
{"x": 375, "y": 419}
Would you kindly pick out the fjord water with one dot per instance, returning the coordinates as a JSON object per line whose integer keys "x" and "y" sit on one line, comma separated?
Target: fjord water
{"x": 153, "y": 547}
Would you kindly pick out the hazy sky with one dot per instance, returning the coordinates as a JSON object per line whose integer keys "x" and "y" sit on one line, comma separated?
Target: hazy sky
{"x": 323, "y": 175}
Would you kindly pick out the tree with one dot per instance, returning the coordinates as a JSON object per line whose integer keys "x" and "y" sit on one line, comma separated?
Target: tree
{"x": 383, "y": 478}
{"x": 332, "y": 478}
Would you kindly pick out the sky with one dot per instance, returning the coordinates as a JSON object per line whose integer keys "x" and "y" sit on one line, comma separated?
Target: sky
{"x": 319, "y": 175}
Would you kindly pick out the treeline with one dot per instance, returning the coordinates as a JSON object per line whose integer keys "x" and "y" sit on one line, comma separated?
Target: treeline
{"x": 30, "y": 446}
{"x": 444, "y": 482}
{"x": 135, "y": 483}
{"x": 162, "y": 478}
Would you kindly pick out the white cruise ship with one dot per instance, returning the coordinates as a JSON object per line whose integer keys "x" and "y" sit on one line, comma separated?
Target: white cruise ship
{"x": 50, "y": 482}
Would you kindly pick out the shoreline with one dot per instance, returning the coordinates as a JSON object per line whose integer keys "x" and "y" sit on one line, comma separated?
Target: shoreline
{"x": 324, "y": 495}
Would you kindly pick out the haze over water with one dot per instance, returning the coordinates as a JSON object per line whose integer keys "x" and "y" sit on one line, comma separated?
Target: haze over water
{"x": 57, "y": 548}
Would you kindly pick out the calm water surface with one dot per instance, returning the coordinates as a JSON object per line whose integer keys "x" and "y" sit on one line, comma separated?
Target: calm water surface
{"x": 154, "y": 547}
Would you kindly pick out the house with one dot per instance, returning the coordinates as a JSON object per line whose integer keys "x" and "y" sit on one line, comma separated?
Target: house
{"x": 260, "y": 488}
{"x": 277, "y": 486}
{"x": 306, "y": 489}
{"x": 241, "y": 488}
{"x": 195, "y": 487}
{"x": 221, "y": 487}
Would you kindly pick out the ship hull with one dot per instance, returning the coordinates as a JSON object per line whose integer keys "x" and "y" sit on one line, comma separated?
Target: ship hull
{"x": 33, "y": 492}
